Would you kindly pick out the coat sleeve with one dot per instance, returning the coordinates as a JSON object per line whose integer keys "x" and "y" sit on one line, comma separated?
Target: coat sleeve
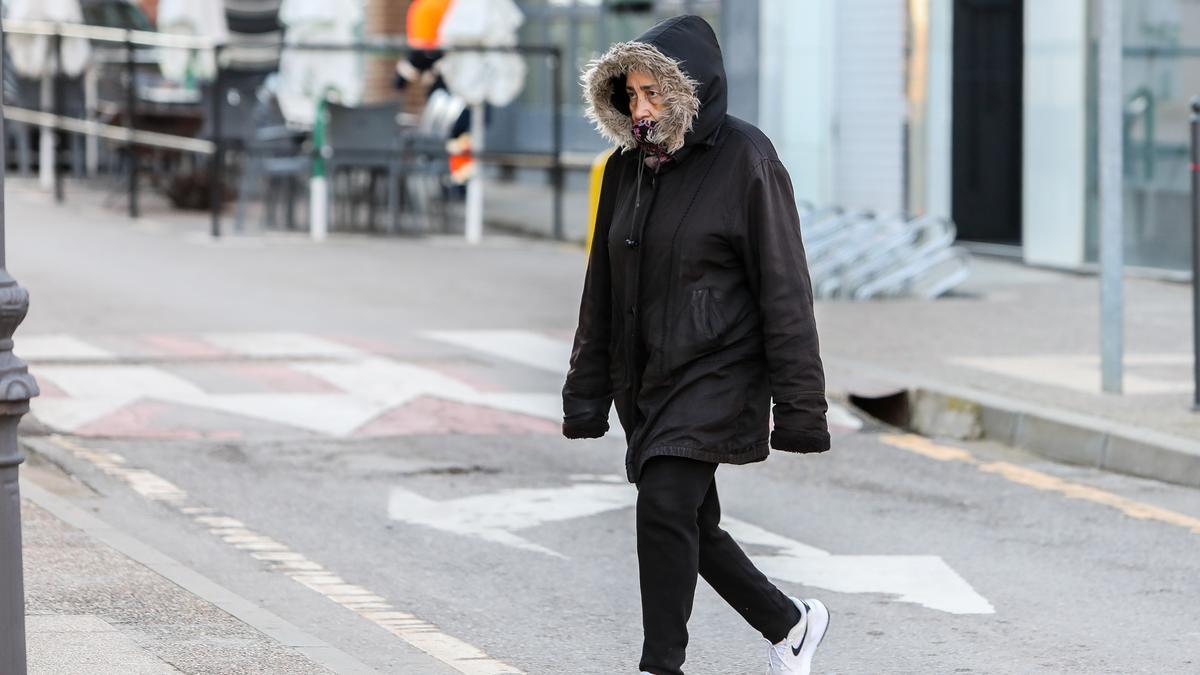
{"x": 588, "y": 392}
{"x": 777, "y": 271}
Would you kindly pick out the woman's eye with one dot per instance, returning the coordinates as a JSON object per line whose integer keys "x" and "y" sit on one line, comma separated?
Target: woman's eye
{"x": 652, "y": 94}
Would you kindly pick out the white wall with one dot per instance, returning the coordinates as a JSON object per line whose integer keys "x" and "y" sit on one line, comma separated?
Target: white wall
{"x": 870, "y": 104}
{"x": 930, "y": 106}
{"x": 1055, "y": 132}
{"x": 939, "y": 110}
{"x": 795, "y": 91}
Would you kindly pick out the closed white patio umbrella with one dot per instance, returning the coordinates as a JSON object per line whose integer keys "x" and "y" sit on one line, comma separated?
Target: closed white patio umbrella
{"x": 32, "y": 57}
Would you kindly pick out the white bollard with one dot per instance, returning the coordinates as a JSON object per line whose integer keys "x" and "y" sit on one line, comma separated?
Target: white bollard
{"x": 46, "y": 165}
{"x": 474, "y": 226}
{"x": 318, "y": 208}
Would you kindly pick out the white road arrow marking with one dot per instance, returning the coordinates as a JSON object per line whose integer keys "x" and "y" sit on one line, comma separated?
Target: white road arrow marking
{"x": 495, "y": 516}
{"x": 925, "y": 580}
{"x": 59, "y": 347}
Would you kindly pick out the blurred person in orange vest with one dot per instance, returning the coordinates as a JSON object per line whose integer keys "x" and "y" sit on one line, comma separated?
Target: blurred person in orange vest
{"x": 420, "y": 67}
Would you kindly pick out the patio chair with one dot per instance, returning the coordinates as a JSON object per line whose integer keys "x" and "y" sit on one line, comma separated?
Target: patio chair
{"x": 365, "y": 139}
{"x": 276, "y": 154}
{"x": 425, "y": 155}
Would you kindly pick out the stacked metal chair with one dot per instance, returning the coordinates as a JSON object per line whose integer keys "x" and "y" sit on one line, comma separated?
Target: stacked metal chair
{"x": 857, "y": 255}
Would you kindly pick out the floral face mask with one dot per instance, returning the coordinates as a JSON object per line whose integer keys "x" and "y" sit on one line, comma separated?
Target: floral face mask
{"x": 641, "y": 133}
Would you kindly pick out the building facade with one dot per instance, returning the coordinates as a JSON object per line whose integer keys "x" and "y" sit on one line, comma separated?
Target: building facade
{"x": 985, "y": 111}
{"x": 982, "y": 111}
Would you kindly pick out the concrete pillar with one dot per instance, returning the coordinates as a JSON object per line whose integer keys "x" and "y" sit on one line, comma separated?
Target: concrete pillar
{"x": 795, "y": 94}
{"x": 1054, "y": 168}
{"x": 930, "y": 106}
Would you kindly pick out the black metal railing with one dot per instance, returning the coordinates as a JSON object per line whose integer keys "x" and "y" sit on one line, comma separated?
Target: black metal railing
{"x": 215, "y": 144}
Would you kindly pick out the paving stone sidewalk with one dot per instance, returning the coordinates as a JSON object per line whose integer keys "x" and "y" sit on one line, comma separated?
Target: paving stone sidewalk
{"x": 1017, "y": 351}
{"x": 92, "y": 609}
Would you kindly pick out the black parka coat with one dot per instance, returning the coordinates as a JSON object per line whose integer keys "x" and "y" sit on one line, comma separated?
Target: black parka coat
{"x": 697, "y": 306}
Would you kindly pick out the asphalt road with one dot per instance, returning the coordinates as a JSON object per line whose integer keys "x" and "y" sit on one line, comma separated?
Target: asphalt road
{"x": 453, "y": 519}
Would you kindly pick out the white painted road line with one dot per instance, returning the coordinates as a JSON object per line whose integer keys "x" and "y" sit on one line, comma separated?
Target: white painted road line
{"x": 368, "y": 387}
{"x": 520, "y": 346}
{"x": 554, "y": 355}
{"x": 455, "y": 653}
{"x": 494, "y": 517}
{"x": 282, "y": 345}
{"x": 59, "y": 347}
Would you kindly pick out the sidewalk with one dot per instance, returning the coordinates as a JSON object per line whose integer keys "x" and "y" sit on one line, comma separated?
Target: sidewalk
{"x": 92, "y": 608}
{"x": 1014, "y": 356}
{"x": 510, "y": 206}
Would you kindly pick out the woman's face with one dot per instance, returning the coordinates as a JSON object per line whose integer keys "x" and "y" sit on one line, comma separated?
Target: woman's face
{"x": 645, "y": 102}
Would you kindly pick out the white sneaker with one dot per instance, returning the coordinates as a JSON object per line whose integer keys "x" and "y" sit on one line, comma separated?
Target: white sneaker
{"x": 793, "y": 656}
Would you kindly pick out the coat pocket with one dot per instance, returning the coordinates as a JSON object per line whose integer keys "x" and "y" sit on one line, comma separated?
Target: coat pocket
{"x": 707, "y": 320}
{"x": 699, "y": 328}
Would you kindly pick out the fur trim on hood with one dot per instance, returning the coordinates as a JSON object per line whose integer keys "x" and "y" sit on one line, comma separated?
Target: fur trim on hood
{"x": 604, "y": 80}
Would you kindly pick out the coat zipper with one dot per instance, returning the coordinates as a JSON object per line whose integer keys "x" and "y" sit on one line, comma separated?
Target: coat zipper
{"x": 630, "y": 242}
{"x": 633, "y": 244}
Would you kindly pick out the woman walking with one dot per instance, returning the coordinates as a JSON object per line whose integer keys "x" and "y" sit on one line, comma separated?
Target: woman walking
{"x": 696, "y": 313}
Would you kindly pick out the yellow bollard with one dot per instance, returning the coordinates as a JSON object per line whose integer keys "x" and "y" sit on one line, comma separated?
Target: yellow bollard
{"x": 597, "y": 179}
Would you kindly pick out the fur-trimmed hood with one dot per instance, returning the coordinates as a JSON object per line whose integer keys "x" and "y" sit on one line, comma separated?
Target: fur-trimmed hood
{"x": 682, "y": 54}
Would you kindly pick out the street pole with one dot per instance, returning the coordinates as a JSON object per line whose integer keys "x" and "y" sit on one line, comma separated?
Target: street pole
{"x": 1112, "y": 215}
{"x": 130, "y": 121}
{"x": 558, "y": 144}
{"x": 474, "y": 226}
{"x": 17, "y": 386}
{"x": 318, "y": 185}
{"x": 58, "y": 112}
{"x": 216, "y": 168}
{"x": 1195, "y": 164}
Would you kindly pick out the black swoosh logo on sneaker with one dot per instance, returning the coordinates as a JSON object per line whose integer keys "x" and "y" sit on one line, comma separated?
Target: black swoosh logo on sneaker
{"x": 807, "y": 611}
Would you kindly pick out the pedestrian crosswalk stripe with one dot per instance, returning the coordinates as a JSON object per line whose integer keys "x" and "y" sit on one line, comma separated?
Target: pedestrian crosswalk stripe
{"x": 520, "y": 346}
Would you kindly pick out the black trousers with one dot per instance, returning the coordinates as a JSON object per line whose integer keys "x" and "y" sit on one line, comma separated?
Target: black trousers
{"x": 678, "y": 537}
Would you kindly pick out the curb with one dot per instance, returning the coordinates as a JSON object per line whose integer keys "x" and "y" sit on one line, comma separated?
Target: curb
{"x": 948, "y": 411}
{"x": 1062, "y": 436}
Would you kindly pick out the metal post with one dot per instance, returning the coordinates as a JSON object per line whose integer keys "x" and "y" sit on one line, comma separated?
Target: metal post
{"x": 557, "y": 167}
{"x": 216, "y": 168}
{"x": 1112, "y": 216}
{"x": 130, "y": 114}
{"x": 474, "y": 224}
{"x": 58, "y": 112}
{"x": 1196, "y": 252}
{"x": 46, "y": 132}
{"x": 17, "y": 386}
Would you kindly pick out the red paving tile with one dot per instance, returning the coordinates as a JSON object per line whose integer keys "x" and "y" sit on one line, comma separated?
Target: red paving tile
{"x": 276, "y": 377}
{"x": 367, "y": 345}
{"x": 429, "y": 415}
{"x": 147, "y": 419}
{"x": 466, "y": 375}
{"x": 157, "y": 419}
{"x": 48, "y": 389}
{"x": 180, "y": 345}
